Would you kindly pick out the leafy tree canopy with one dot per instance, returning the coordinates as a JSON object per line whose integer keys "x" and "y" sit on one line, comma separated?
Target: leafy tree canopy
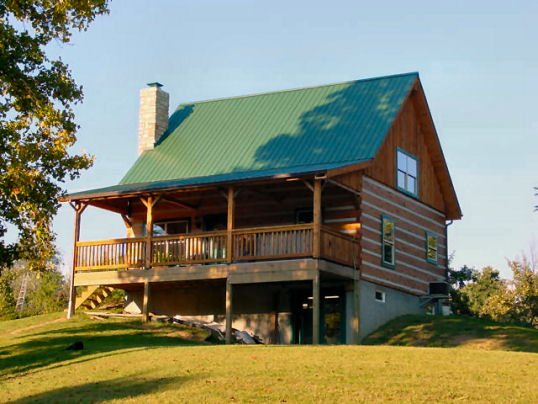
{"x": 518, "y": 302}
{"x": 37, "y": 125}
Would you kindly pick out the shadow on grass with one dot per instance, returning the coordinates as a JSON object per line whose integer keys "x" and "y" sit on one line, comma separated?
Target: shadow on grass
{"x": 454, "y": 331}
{"x": 98, "y": 392}
{"x": 102, "y": 339}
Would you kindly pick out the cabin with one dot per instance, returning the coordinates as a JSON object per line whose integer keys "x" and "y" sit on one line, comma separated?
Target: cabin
{"x": 307, "y": 216}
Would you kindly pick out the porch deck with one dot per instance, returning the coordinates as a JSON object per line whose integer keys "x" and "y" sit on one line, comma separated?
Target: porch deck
{"x": 217, "y": 247}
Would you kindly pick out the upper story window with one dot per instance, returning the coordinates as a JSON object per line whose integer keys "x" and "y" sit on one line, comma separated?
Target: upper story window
{"x": 431, "y": 248}
{"x": 387, "y": 253}
{"x": 407, "y": 172}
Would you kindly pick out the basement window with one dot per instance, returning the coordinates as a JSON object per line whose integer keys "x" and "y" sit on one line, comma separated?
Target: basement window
{"x": 380, "y": 296}
{"x": 407, "y": 172}
{"x": 387, "y": 243}
{"x": 431, "y": 248}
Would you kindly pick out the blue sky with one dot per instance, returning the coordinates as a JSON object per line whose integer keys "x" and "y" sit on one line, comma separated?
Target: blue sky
{"x": 477, "y": 62}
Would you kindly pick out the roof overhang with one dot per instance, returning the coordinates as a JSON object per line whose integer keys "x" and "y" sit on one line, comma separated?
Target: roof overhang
{"x": 215, "y": 181}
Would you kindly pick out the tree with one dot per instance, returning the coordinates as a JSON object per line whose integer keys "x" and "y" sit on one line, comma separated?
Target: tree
{"x": 7, "y": 300}
{"x": 37, "y": 125}
{"x": 484, "y": 284}
{"x": 48, "y": 295}
{"x": 457, "y": 280}
{"x": 517, "y": 303}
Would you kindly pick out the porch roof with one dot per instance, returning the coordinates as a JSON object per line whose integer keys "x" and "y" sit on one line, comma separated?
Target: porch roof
{"x": 156, "y": 186}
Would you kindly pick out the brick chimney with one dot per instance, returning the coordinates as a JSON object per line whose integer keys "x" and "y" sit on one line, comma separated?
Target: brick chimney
{"x": 153, "y": 116}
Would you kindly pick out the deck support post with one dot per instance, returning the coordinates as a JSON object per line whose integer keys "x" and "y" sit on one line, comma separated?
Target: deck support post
{"x": 315, "y": 309}
{"x": 145, "y": 302}
{"x": 229, "y": 313}
{"x": 316, "y": 239}
{"x": 79, "y": 208}
{"x": 230, "y": 227}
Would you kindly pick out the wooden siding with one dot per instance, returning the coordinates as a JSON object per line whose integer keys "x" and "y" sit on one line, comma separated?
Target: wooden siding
{"x": 412, "y": 219}
{"x": 257, "y": 206}
{"x": 407, "y": 133}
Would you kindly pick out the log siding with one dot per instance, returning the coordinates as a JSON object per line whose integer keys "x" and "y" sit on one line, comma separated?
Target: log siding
{"x": 413, "y": 220}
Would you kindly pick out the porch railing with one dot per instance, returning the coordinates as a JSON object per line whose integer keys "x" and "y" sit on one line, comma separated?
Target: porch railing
{"x": 251, "y": 244}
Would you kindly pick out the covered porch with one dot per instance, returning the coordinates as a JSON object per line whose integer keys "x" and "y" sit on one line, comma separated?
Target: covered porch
{"x": 280, "y": 230}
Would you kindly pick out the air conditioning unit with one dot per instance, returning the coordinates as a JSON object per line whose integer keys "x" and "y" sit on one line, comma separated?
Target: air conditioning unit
{"x": 439, "y": 288}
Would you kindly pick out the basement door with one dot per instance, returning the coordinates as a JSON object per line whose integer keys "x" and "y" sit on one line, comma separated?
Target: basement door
{"x": 332, "y": 321}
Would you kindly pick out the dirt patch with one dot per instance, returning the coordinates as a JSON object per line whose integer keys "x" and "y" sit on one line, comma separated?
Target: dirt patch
{"x": 31, "y": 327}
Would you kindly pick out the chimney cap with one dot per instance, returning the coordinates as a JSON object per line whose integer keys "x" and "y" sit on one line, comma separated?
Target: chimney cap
{"x": 155, "y": 84}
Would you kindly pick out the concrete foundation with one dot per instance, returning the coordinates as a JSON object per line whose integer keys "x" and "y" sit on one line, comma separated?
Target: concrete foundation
{"x": 375, "y": 313}
{"x": 273, "y": 310}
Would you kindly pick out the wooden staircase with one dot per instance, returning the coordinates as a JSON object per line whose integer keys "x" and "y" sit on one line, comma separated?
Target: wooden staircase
{"x": 92, "y": 296}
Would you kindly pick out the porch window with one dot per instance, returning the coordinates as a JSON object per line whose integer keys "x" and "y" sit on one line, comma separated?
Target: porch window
{"x": 171, "y": 227}
{"x": 303, "y": 216}
{"x": 431, "y": 248}
{"x": 387, "y": 246}
{"x": 407, "y": 173}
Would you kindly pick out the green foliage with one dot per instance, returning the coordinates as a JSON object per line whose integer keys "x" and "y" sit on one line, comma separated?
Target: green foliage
{"x": 37, "y": 125}
{"x": 46, "y": 292}
{"x": 484, "y": 284}
{"x": 49, "y": 294}
{"x": 7, "y": 300}
{"x": 517, "y": 303}
{"x": 457, "y": 279}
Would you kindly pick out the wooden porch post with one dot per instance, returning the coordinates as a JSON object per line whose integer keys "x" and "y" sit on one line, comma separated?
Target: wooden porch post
{"x": 229, "y": 313}
{"x": 317, "y": 219}
{"x": 145, "y": 302}
{"x": 231, "y": 212}
{"x": 149, "y": 232}
{"x": 315, "y": 309}
{"x": 79, "y": 208}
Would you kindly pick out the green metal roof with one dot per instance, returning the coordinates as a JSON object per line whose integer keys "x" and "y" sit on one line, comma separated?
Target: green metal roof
{"x": 301, "y": 130}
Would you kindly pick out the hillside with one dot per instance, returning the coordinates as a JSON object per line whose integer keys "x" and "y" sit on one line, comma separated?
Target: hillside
{"x": 125, "y": 361}
{"x": 454, "y": 331}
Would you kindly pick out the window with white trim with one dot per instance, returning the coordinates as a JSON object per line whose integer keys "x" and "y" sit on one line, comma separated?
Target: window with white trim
{"x": 387, "y": 247}
{"x": 431, "y": 248}
{"x": 407, "y": 172}
{"x": 380, "y": 296}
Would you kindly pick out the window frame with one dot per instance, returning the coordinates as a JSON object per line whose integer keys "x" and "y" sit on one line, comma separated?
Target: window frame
{"x": 436, "y": 237}
{"x": 170, "y": 221}
{"x": 403, "y": 189}
{"x": 383, "y": 296}
{"x": 387, "y": 264}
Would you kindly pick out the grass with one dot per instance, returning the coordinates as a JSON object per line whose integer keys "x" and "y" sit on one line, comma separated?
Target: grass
{"x": 454, "y": 331}
{"x": 124, "y": 361}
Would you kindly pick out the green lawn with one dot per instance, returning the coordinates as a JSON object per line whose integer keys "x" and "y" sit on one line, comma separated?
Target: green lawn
{"x": 126, "y": 361}
{"x": 454, "y": 331}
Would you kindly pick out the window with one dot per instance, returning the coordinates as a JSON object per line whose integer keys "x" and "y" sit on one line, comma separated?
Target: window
{"x": 171, "y": 227}
{"x": 304, "y": 216}
{"x": 431, "y": 248}
{"x": 387, "y": 229}
{"x": 407, "y": 173}
{"x": 380, "y": 296}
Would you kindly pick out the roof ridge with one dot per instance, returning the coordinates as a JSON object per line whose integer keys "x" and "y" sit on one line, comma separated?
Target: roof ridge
{"x": 297, "y": 89}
